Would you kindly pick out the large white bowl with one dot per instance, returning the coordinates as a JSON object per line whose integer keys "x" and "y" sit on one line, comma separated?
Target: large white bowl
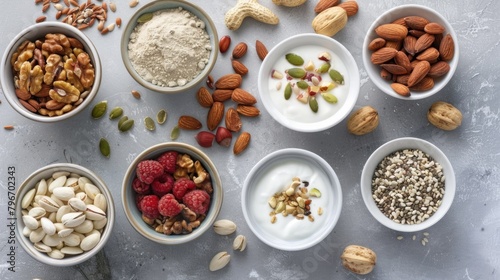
{"x": 312, "y": 122}
{"x": 397, "y": 13}
{"x": 271, "y": 175}
{"x": 393, "y": 146}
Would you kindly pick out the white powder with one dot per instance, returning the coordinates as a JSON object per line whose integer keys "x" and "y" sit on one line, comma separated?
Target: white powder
{"x": 170, "y": 49}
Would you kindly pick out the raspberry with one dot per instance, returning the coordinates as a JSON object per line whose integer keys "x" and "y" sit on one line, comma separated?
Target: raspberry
{"x": 169, "y": 206}
{"x": 140, "y": 187}
{"x": 182, "y": 186}
{"x": 163, "y": 184}
{"x": 197, "y": 200}
{"x": 168, "y": 160}
{"x": 138, "y": 199}
{"x": 149, "y": 206}
{"x": 148, "y": 170}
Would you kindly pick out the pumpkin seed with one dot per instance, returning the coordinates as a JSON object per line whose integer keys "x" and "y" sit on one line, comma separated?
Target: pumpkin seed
{"x": 294, "y": 59}
{"x": 149, "y": 123}
{"x": 302, "y": 84}
{"x": 174, "y": 134}
{"x": 122, "y": 120}
{"x": 145, "y": 17}
{"x": 161, "y": 116}
{"x": 313, "y": 104}
{"x": 115, "y": 113}
{"x": 288, "y": 90}
{"x": 324, "y": 67}
{"x": 336, "y": 76}
{"x": 330, "y": 98}
{"x": 126, "y": 125}
{"x": 104, "y": 147}
{"x": 297, "y": 73}
{"x": 99, "y": 109}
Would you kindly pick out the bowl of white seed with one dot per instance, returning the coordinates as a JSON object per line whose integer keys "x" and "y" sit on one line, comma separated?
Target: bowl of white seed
{"x": 65, "y": 214}
{"x": 169, "y": 46}
{"x": 408, "y": 184}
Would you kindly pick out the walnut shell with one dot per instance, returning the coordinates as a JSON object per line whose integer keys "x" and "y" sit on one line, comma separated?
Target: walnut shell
{"x": 444, "y": 116}
{"x": 358, "y": 259}
{"x": 363, "y": 121}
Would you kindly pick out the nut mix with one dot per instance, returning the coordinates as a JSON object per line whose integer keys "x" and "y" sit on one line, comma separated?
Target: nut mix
{"x": 52, "y": 75}
{"x": 64, "y": 215}
{"x": 173, "y": 192}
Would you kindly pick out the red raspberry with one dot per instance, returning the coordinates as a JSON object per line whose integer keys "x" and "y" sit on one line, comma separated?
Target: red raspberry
{"x": 148, "y": 170}
{"x": 198, "y": 201}
{"x": 140, "y": 187}
{"x": 138, "y": 199}
{"x": 182, "y": 186}
{"x": 168, "y": 161}
{"x": 169, "y": 206}
{"x": 149, "y": 206}
{"x": 163, "y": 185}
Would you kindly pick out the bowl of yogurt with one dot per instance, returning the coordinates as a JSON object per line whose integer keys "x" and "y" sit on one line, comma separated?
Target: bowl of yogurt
{"x": 309, "y": 82}
{"x": 291, "y": 199}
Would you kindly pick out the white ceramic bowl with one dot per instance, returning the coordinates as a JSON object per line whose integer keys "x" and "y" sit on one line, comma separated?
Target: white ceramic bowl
{"x": 133, "y": 214}
{"x": 44, "y": 173}
{"x": 33, "y": 33}
{"x": 274, "y": 173}
{"x": 292, "y": 113}
{"x": 396, "y": 145}
{"x": 162, "y": 5}
{"x": 388, "y": 17}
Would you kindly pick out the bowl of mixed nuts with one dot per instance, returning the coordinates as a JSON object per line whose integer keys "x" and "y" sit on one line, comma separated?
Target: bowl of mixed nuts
{"x": 172, "y": 193}
{"x": 309, "y": 82}
{"x": 65, "y": 214}
{"x": 408, "y": 184}
{"x": 50, "y": 72}
{"x": 410, "y": 52}
{"x": 291, "y": 199}
{"x": 184, "y": 51}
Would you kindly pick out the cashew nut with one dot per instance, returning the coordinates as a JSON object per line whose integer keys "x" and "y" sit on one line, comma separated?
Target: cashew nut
{"x": 249, "y": 8}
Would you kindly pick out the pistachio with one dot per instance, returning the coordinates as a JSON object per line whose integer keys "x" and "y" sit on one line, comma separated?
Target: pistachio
{"x": 290, "y": 191}
{"x": 328, "y": 97}
{"x": 100, "y": 201}
{"x": 37, "y": 212}
{"x": 104, "y": 147}
{"x": 65, "y": 209}
{"x": 73, "y": 219}
{"x": 336, "y": 76}
{"x": 91, "y": 190}
{"x": 71, "y": 250}
{"x": 77, "y": 204}
{"x": 297, "y": 73}
{"x": 149, "y": 123}
{"x": 161, "y": 116}
{"x": 240, "y": 243}
{"x": 37, "y": 235}
{"x": 64, "y": 232}
{"x": 89, "y": 242}
{"x": 64, "y": 193}
{"x": 30, "y": 222}
{"x": 28, "y": 198}
{"x": 48, "y": 204}
{"x": 51, "y": 240}
{"x": 42, "y": 247}
{"x": 224, "y": 227}
{"x": 56, "y": 254}
{"x": 219, "y": 261}
{"x": 86, "y": 227}
{"x": 94, "y": 213}
{"x": 174, "y": 134}
{"x": 313, "y": 104}
{"x": 294, "y": 59}
{"x": 115, "y": 113}
{"x": 288, "y": 91}
{"x": 48, "y": 226}
{"x": 72, "y": 240}
{"x": 58, "y": 182}
{"x": 99, "y": 109}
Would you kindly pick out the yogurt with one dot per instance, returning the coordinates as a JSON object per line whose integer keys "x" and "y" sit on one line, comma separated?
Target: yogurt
{"x": 292, "y": 108}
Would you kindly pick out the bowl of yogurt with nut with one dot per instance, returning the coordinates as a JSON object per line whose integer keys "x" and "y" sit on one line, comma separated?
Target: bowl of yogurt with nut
{"x": 291, "y": 199}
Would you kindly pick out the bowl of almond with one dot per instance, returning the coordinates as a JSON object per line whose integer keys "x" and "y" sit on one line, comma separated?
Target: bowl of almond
{"x": 410, "y": 52}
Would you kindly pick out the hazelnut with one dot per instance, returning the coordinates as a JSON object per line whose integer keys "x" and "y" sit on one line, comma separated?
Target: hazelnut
{"x": 363, "y": 121}
{"x": 358, "y": 259}
{"x": 444, "y": 116}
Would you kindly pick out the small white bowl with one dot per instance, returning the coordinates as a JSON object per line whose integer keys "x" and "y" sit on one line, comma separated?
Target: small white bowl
{"x": 44, "y": 173}
{"x": 395, "y": 145}
{"x": 292, "y": 113}
{"x": 163, "y": 5}
{"x": 38, "y": 31}
{"x": 271, "y": 175}
{"x": 388, "y": 17}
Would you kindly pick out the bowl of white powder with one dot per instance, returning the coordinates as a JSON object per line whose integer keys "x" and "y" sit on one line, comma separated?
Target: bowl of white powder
{"x": 169, "y": 46}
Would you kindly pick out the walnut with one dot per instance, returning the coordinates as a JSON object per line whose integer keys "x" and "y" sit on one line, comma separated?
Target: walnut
{"x": 444, "y": 116}
{"x": 72, "y": 78}
{"x": 24, "y": 53}
{"x": 24, "y": 76}
{"x": 201, "y": 173}
{"x": 36, "y": 79}
{"x": 363, "y": 121}
{"x": 358, "y": 259}
{"x": 64, "y": 92}
{"x": 52, "y": 63}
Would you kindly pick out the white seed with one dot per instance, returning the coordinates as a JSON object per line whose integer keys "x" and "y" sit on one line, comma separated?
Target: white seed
{"x": 77, "y": 204}
{"x": 71, "y": 250}
{"x": 30, "y": 222}
{"x": 219, "y": 261}
{"x": 94, "y": 213}
{"x": 56, "y": 254}
{"x": 224, "y": 227}
{"x": 240, "y": 243}
{"x": 64, "y": 193}
{"x": 91, "y": 190}
{"x": 278, "y": 85}
{"x": 86, "y": 227}
{"x": 28, "y": 198}
{"x": 100, "y": 201}
{"x": 42, "y": 247}
{"x": 48, "y": 226}
{"x": 58, "y": 182}
{"x": 400, "y": 237}
{"x": 72, "y": 240}
{"x": 37, "y": 212}
{"x": 73, "y": 219}
{"x": 89, "y": 242}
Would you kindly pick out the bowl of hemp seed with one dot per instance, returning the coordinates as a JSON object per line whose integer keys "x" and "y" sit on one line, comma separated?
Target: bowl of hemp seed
{"x": 408, "y": 184}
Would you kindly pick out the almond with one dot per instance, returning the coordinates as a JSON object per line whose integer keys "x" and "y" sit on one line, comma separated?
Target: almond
{"x": 425, "y": 84}
{"x": 229, "y": 81}
{"x": 241, "y": 143}
{"x": 215, "y": 115}
{"x": 376, "y": 44}
{"x": 419, "y": 72}
{"x": 261, "y": 49}
{"x": 447, "y": 48}
{"x": 204, "y": 97}
{"x": 384, "y": 74}
{"x": 394, "y": 69}
{"x": 394, "y": 44}
{"x": 439, "y": 69}
{"x": 434, "y": 28}
{"x": 351, "y": 7}
{"x": 409, "y": 44}
{"x": 240, "y": 50}
{"x": 391, "y": 31}
{"x": 222, "y": 95}
{"x": 401, "y": 89}
{"x": 400, "y": 21}
{"x": 416, "y": 33}
{"x": 232, "y": 120}
{"x": 402, "y": 59}
{"x": 430, "y": 54}
{"x": 239, "y": 68}
{"x": 325, "y": 4}
{"x": 416, "y": 22}
{"x": 248, "y": 111}
{"x": 423, "y": 42}
{"x": 403, "y": 79}
{"x": 382, "y": 55}
{"x": 189, "y": 123}
{"x": 224, "y": 43}
{"x": 243, "y": 97}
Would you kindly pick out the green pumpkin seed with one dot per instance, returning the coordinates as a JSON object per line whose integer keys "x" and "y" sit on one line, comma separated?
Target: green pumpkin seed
{"x": 174, "y": 134}
{"x": 104, "y": 147}
{"x": 145, "y": 17}
{"x": 115, "y": 113}
{"x": 297, "y": 73}
{"x": 330, "y": 98}
{"x": 99, "y": 109}
{"x": 324, "y": 67}
{"x": 161, "y": 116}
{"x": 288, "y": 90}
{"x": 302, "y": 84}
{"x": 122, "y": 120}
{"x": 126, "y": 125}
{"x": 149, "y": 123}
{"x": 336, "y": 76}
{"x": 313, "y": 104}
{"x": 294, "y": 59}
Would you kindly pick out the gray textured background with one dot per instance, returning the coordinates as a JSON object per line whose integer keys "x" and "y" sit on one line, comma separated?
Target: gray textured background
{"x": 464, "y": 245}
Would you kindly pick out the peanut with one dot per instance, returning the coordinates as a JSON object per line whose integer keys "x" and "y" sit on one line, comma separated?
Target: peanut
{"x": 248, "y": 8}
{"x": 289, "y": 3}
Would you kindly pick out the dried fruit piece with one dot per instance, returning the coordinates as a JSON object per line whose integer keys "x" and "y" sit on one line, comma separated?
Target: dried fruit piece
{"x": 104, "y": 147}
{"x": 241, "y": 143}
{"x": 99, "y": 109}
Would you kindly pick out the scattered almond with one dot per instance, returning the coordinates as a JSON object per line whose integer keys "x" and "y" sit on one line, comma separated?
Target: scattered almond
{"x": 239, "y": 68}
{"x": 204, "y": 97}
{"x": 40, "y": 19}
{"x": 228, "y": 81}
{"x": 189, "y": 123}
{"x": 232, "y": 120}
{"x": 136, "y": 94}
{"x": 241, "y": 143}
{"x": 222, "y": 95}
{"x": 240, "y": 50}
{"x": 351, "y": 7}
{"x": 248, "y": 111}
{"x": 215, "y": 115}
{"x": 243, "y": 97}
{"x": 261, "y": 49}
{"x": 325, "y": 4}
{"x": 8, "y": 127}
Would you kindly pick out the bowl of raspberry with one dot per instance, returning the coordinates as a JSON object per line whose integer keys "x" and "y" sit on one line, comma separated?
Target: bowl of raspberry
{"x": 172, "y": 193}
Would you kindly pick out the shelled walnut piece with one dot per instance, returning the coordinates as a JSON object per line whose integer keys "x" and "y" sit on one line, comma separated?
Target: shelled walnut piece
{"x": 52, "y": 75}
